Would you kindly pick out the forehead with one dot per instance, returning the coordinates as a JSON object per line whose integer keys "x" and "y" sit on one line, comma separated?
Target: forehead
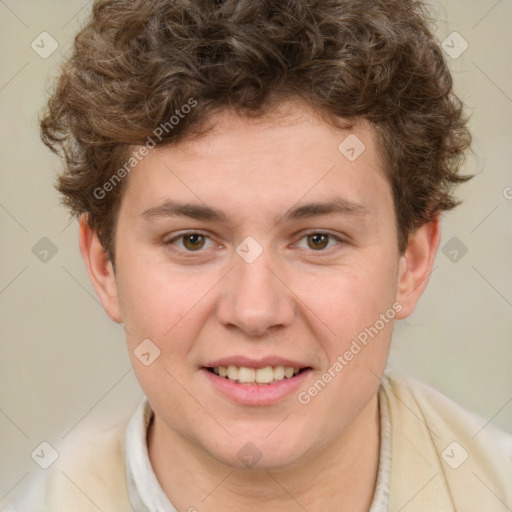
{"x": 279, "y": 160}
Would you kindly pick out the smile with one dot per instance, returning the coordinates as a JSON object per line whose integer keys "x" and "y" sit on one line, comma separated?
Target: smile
{"x": 251, "y": 382}
{"x": 266, "y": 375}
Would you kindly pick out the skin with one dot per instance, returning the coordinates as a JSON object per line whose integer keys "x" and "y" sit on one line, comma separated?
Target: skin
{"x": 293, "y": 301}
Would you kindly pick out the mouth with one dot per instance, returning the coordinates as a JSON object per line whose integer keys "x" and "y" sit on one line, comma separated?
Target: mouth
{"x": 263, "y": 376}
{"x": 256, "y": 382}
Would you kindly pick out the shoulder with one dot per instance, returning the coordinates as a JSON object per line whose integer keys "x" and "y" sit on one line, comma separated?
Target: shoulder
{"x": 89, "y": 474}
{"x": 446, "y": 416}
{"x": 465, "y": 459}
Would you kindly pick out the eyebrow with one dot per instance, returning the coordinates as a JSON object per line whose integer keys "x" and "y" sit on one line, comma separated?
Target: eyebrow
{"x": 337, "y": 205}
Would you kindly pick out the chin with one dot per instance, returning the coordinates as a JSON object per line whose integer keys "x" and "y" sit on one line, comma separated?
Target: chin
{"x": 259, "y": 452}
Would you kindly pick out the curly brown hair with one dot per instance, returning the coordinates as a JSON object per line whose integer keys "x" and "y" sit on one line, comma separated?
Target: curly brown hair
{"x": 137, "y": 62}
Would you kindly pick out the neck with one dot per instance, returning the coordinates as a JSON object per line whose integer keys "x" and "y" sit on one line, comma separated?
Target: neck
{"x": 340, "y": 477}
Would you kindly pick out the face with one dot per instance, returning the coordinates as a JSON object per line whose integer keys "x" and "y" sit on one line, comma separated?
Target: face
{"x": 262, "y": 251}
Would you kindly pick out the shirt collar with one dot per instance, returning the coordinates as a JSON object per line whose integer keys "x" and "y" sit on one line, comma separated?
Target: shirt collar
{"x": 144, "y": 489}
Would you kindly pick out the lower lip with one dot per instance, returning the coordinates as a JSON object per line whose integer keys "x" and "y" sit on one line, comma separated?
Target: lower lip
{"x": 256, "y": 394}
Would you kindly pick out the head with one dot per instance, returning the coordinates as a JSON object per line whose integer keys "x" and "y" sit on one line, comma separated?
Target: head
{"x": 258, "y": 184}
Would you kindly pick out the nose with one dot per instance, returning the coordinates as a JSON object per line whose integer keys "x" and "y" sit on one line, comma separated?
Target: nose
{"x": 255, "y": 298}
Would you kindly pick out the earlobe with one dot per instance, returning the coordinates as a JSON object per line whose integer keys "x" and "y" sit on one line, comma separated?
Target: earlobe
{"x": 100, "y": 269}
{"x": 416, "y": 264}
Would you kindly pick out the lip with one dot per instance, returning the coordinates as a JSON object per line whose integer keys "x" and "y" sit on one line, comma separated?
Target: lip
{"x": 255, "y": 363}
{"x": 256, "y": 394}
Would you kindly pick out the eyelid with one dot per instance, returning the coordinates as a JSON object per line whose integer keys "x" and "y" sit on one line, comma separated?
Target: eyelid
{"x": 176, "y": 236}
{"x": 170, "y": 241}
{"x": 338, "y": 238}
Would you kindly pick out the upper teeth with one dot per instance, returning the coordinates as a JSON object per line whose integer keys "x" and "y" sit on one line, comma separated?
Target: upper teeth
{"x": 264, "y": 375}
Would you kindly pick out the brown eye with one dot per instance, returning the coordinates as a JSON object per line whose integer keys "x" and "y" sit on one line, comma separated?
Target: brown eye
{"x": 193, "y": 242}
{"x": 187, "y": 243}
{"x": 318, "y": 241}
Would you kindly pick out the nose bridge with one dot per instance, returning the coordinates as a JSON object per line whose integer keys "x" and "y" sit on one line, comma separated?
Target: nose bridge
{"x": 254, "y": 299}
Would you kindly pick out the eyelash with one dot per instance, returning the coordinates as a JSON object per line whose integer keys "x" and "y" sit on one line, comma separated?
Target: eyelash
{"x": 192, "y": 254}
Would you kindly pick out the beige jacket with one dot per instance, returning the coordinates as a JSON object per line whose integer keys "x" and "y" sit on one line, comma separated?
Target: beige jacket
{"x": 442, "y": 460}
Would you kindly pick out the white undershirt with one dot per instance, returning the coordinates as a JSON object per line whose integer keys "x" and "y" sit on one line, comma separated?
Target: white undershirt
{"x": 146, "y": 494}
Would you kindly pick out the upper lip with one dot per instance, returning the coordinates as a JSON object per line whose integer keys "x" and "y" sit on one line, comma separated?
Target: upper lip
{"x": 255, "y": 363}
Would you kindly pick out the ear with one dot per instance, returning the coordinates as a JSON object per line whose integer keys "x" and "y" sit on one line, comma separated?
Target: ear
{"x": 415, "y": 265}
{"x": 100, "y": 269}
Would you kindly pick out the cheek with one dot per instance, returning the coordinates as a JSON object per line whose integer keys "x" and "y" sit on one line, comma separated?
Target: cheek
{"x": 159, "y": 306}
{"x": 346, "y": 314}
{"x": 163, "y": 305}
{"x": 346, "y": 300}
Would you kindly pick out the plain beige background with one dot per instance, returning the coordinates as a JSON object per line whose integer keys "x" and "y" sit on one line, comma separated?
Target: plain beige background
{"x": 63, "y": 363}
